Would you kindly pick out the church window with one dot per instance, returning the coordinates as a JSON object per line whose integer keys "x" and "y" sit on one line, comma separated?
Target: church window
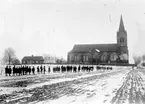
{"x": 121, "y": 40}
{"x": 83, "y": 58}
{"x": 75, "y": 58}
{"x": 86, "y": 58}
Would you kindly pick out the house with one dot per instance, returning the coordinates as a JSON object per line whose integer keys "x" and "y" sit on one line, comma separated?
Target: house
{"x": 102, "y": 53}
{"x": 33, "y": 60}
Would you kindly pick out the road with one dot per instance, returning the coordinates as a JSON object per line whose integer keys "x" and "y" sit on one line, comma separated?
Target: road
{"x": 123, "y": 86}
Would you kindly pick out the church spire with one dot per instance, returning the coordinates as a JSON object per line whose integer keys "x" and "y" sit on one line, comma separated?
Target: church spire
{"x": 121, "y": 26}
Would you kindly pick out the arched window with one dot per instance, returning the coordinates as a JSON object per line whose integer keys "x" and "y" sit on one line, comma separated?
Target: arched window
{"x": 87, "y": 58}
{"x": 121, "y": 40}
{"x": 84, "y": 58}
{"x": 75, "y": 58}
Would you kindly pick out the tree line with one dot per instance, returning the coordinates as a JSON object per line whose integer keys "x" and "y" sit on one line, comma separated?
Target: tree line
{"x": 139, "y": 60}
{"x": 10, "y": 58}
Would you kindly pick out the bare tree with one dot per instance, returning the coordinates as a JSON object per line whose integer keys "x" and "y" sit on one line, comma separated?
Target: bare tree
{"x": 60, "y": 61}
{"x": 9, "y": 56}
{"x": 137, "y": 59}
{"x": 16, "y": 61}
{"x": 48, "y": 58}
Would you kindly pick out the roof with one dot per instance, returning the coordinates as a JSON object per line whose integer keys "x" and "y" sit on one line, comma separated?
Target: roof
{"x": 121, "y": 26}
{"x": 33, "y": 58}
{"x": 90, "y": 47}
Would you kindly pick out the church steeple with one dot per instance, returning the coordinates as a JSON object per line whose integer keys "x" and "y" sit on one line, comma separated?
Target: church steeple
{"x": 121, "y": 26}
{"x": 122, "y": 37}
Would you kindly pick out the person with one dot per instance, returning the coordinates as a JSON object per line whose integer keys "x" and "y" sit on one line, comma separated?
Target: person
{"x": 29, "y": 70}
{"x": 49, "y": 69}
{"x": 79, "y": 68}
{"x": 6, "y": 70}
{"x": 33, "y": 70}
{"x": 41, "y": 69}
{"x": 38, "y": 69}
{"x": 14, "y": 70}
{"x": 44, "y": 69}
{"x": 9, "y": 70}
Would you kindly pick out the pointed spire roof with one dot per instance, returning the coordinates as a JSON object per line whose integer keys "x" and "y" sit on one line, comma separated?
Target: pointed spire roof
{"x": 121, "y": 26}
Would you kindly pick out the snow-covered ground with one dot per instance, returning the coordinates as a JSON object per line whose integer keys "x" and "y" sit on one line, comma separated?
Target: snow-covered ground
{"x": 47, "y": 80}
{"x": 96, "y": 87}
{"x": 98, "y": 91}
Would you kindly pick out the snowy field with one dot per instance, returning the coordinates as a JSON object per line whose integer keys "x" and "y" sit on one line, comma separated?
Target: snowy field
{"x": 122, "y": 85}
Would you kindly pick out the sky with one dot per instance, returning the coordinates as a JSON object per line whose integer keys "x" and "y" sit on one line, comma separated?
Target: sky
{"x": 53, "y": 26}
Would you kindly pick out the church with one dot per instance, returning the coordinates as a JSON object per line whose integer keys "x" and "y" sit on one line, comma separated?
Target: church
{"x": 115, "y": 53}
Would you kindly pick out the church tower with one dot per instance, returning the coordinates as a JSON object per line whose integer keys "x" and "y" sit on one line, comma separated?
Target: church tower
{"x": 122, "y": 38}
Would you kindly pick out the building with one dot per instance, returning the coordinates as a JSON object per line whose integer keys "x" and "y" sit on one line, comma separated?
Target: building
{"x": 102, "y": 53}
{"x": 33, "y": 60}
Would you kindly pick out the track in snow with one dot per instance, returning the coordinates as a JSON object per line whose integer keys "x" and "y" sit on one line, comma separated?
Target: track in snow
{"x": 133, "y": 89}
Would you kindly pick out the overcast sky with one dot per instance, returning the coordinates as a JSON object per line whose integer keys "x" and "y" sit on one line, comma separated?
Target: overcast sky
{"x": 54, "y": 26}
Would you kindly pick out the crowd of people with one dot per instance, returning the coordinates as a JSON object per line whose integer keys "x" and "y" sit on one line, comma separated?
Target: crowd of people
{"x": 104, "y": 68}
{"x": 70, "y": 68}
{"x": 24, "y": 70}
{"x": 29, "y": 70}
